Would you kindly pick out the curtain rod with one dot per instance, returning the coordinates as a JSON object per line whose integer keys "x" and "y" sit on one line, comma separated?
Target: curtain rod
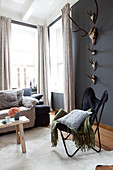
{"x": 54, "y": 21}
{"x": 24, "y": 24}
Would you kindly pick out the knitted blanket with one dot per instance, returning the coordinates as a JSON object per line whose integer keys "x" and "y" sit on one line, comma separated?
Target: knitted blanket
{"x": 84, "y": 137}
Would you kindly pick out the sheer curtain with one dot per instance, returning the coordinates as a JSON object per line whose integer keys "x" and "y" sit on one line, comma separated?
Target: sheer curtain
{"x": 69, "y": 92}
{"x": 43, "y": 64}
{"x": 5, "y": 63}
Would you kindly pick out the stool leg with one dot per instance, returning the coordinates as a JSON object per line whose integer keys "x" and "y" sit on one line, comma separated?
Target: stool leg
{"x": 22, "y": 139}
{"x": 17, "y": 134}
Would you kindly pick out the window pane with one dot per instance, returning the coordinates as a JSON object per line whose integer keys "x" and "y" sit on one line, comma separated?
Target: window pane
{"x": 56, "y": 54}
{"x": 24, "y": 56}
{"x": 24, "y": 40}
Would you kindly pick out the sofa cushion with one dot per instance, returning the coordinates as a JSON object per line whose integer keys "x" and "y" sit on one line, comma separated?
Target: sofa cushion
{"x": 8, "y": 98}
{"x": 29, "y": 101}
{"x": 19, "y": 96}
{"x": 27, "y": 92}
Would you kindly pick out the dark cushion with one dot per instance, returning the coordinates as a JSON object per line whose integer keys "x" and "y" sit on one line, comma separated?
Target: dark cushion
{"x": 41, "y": 102}
{"x": 42, "y": 109}
{"x": 37, "y": 96}
{"x": 42, "y": 115}
{"x": 42, "y": 120}
{"x": 27, "y": 92}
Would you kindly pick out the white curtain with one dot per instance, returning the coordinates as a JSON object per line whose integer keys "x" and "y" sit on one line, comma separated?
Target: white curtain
{"x": 5, "y": 63}
{"x": 69, "y": 91}
{"x": 43, "y": 64}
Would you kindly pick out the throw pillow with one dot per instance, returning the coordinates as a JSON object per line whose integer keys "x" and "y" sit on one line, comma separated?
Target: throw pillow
{"x": 19, "y": 96}
{"x": 27, "y": 92}
{"x": 75, "y": 118}
{"x": 29, "y": 101}
{"x": 37, "y": 96}
{"x": 8, "y": 98}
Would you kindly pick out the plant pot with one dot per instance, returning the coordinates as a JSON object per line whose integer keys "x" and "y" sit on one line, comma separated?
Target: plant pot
{"x": 16, "y": 117}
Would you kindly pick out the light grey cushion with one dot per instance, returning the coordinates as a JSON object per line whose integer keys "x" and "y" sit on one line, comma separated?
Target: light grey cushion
{"x": 8, "y": 99}
{"x": 29, "y": 101}
{"x": 75, "y": 118}
{"x": 19, "y": 96}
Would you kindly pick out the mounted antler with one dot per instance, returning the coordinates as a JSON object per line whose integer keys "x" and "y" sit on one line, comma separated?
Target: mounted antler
{"x": 93, "y": 52}
{"x": 93, "y": 33}
{"x": 94, "y": 16}
{"x": 93, "y": 78}
{"x": 93, "y": 63}
{"x": 79, "y": 28}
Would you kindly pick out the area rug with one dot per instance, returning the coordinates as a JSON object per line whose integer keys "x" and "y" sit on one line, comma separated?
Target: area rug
{"x": 41, "y": 156}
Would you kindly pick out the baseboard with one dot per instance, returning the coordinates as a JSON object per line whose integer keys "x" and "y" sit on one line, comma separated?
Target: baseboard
{"x": 110, "y": 128}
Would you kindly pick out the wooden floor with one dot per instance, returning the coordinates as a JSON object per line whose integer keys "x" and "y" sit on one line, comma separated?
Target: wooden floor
{"x": 106, "y": 141}
{"x": 104, "y": 168}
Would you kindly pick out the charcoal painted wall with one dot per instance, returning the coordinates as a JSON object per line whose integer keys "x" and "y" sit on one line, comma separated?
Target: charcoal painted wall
{"x": 104, "y": 57}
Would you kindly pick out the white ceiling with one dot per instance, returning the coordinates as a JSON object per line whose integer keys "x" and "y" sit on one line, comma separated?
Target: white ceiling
{"x": 33, "y": 11}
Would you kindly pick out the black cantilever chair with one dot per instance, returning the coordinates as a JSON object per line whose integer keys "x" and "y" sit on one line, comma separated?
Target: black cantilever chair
{"x": 89, "y": 100}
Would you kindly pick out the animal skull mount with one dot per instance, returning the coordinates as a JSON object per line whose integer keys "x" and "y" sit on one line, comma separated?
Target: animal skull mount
{"x": 93, "y": 63}
{"x": 93, "y": 15}
{"x": 93, "y": 52}
{"x": 93, "y": 34}
{"x": 79, "y": 28}
{"x": 93, "y": 78}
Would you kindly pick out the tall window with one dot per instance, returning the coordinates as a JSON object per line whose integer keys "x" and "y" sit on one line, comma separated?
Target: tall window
{"x": 56, "y": 54}
{"x": 24, "y": 56}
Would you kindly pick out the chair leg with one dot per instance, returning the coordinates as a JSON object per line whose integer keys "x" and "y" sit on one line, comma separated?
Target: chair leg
{"x": 98, "y": 141}
{"x": 63, "y": 139}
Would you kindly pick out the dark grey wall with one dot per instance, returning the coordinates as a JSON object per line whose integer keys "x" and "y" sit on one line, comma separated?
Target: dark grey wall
{"x": 104, "y": 57}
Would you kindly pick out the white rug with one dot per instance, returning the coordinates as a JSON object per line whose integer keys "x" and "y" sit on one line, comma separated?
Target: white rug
{"x": 41, "y": 156}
